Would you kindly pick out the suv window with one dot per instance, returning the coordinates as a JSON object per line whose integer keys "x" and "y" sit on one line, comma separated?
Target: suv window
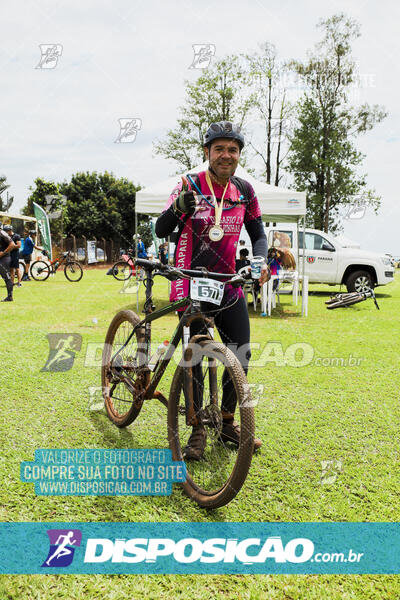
{"x": 314, "y": 241}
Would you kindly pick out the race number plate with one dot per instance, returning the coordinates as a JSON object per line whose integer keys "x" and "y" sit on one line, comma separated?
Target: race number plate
{"x": 207, "y": 290}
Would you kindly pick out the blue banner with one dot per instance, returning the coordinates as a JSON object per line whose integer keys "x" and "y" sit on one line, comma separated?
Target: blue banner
{"x": 214, "y": 548}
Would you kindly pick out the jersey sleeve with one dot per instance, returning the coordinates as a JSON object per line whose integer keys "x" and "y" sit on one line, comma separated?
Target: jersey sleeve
{"x": 174, "y": 194}
{"x": 168, "y": 219}
{"x": 253, "y": 210}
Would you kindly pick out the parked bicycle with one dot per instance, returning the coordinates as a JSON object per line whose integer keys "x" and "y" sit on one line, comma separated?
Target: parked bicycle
{"x": 124, "y": 268}
{"x": 130, "y": 376}
{"x": 342, "y": 300}
{"x": 41, "y": 270}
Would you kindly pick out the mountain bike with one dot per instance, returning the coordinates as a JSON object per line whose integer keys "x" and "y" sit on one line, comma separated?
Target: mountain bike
{"x": 130, "y": 376}
{"x": 343, "y": 300}
{"x": 41, "y": 270}
{"x": 123, "y": 268}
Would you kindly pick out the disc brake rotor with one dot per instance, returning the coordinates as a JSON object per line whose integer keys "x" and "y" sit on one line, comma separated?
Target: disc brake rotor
{"x": 211, "y": 417}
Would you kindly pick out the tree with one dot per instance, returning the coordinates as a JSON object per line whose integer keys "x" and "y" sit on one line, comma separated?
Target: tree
{"x": 98, "y": 205}
{"x": 271, "y": 106}
{"x": 219, "y": 94}
{"x": 39, "y": 195}
{"x": 5, "y": 204}
{"x": 144, "y": 230}
{"x": 323, "y": 158}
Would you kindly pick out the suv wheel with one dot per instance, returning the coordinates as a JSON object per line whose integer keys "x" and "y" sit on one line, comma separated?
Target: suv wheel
{"x": 359, "y": 281}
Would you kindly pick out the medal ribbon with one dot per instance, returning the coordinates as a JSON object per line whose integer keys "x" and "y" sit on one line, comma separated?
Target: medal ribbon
{"x": 218, "y": 207}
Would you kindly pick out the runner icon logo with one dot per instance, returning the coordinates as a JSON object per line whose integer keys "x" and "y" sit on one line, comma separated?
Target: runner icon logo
{"x": 62, "y": 547}
{"x": 50, "y": 53}
{"x": 203, "y": 54}
{"x": 62, "y": 350}
{"x": 128, "y": 129}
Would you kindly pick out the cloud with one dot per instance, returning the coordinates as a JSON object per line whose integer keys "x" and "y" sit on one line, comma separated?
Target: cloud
{"x": 131, "y": 59}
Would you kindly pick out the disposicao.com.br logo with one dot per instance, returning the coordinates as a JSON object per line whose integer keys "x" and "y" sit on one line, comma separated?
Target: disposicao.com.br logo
{"x": 213, "y": 550}
{"x": 62, "y": 547}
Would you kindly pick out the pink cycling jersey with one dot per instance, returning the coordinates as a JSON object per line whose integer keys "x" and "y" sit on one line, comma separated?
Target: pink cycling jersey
{"x": 195, "y": 249}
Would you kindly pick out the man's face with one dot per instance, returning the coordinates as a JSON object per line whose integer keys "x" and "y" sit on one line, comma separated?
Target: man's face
{"x": 223, "y": 156}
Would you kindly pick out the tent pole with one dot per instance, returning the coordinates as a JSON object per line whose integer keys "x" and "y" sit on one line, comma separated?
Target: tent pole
{"x": 136, "y": 269}
{"x": 304, "y": 265}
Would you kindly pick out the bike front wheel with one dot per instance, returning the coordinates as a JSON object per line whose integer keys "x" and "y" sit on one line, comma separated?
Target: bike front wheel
{"x": 121, "y": 383}
{"x": 73, "y": 271}
{"x": 40, "y": 270}
{"x": 216, "y": 479}
{"x": 122, "y": 270}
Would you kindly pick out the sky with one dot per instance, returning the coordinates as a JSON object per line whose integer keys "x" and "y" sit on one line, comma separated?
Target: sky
{"x": 124, "y": 60}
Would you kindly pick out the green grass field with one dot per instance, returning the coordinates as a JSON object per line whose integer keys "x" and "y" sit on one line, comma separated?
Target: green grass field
{"x": 327, "y": 410}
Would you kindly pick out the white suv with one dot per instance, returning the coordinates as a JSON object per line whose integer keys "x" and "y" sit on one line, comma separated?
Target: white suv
{"x": 333, "y": 261}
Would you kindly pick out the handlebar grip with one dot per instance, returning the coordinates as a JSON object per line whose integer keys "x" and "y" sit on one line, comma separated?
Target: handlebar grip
{"x": 148, "y": 264}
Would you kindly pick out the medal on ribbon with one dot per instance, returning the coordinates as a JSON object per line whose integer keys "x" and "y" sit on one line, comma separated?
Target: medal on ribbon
{"x": 216, "y": 232}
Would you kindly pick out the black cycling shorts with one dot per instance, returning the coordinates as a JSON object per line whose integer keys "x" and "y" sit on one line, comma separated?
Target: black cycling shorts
{"x": 14, "y": 262}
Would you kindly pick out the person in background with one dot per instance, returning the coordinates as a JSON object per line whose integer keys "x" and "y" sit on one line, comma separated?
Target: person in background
{"x": 243, "y": 260}
{"x": 240, "y": 247}
{"x": 26, "y": 255}
{"x": 6, "y": 246}
{"x": 141, "y": 250}
{"x": 162, "y": 253}
{"x": 14, "y": 254}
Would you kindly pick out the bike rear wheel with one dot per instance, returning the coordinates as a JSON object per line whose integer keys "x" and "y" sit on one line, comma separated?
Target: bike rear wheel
{"x": 73, "y": 271}
{"x": 217, "y": 478}
{"x": 121, "y": 383}
{"x": 40, "y": 270}
{"x": 122, "y": 270}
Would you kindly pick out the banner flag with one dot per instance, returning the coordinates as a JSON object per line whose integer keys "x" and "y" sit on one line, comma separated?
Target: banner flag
{"x": 44, "y": 228}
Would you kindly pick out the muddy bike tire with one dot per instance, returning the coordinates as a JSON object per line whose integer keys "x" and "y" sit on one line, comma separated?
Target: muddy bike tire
{"x": 123, "y": 406}
{"x": 216, "y": 479}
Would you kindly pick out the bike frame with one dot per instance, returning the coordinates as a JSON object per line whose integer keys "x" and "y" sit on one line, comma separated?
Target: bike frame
{"x": 183, "y": 327}
{"x": 60, "y": 260}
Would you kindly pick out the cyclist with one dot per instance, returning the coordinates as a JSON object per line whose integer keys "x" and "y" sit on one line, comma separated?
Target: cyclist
{"x": 29, "y": 246}
{"x": 208, "y": 234}
{"x": 14, "y": 254}
{"x": 6, "y": 246}
{"x": 141, "y": 249}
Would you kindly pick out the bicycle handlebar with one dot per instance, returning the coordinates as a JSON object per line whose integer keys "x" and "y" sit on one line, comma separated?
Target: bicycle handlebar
{"x": 167, "y": 270}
